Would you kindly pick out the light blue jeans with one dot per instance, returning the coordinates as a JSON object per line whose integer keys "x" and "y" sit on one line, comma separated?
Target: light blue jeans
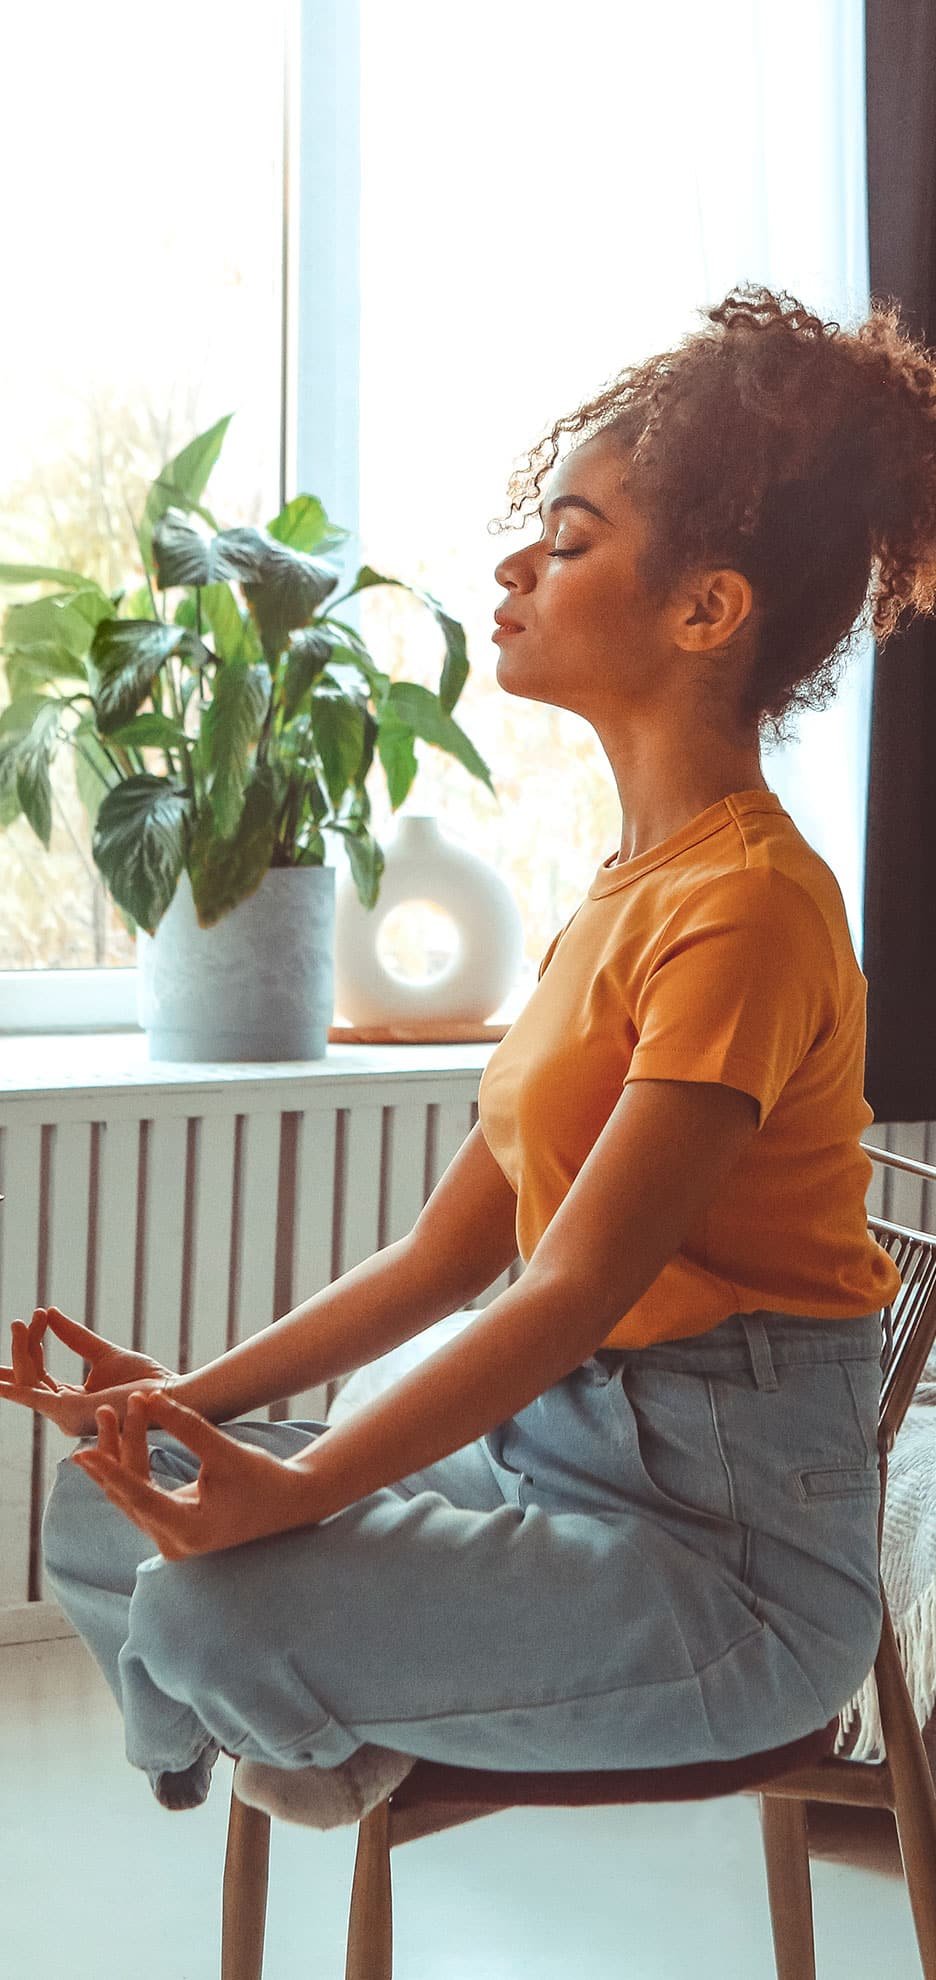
{"x": 669, "y": 1556}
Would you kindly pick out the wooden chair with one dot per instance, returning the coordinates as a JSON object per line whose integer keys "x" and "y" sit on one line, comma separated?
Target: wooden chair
{"x": 435, "y": 1796}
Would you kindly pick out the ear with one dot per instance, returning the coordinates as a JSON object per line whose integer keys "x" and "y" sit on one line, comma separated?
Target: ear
{"x": 715, "y": 606}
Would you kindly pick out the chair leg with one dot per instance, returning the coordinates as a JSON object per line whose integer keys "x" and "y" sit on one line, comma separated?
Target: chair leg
{"x": 913, "y": 1792}
{"x": 370, "y": 1921}
{"x": 786, "y": 1852}
{"x": 244, "y": 1892}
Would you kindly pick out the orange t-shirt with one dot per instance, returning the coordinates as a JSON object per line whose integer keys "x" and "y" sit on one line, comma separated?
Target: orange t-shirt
{"x": 721, "y": 954}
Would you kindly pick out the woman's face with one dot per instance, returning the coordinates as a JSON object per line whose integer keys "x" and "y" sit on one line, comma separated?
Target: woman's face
{"x": 592, "y": 641}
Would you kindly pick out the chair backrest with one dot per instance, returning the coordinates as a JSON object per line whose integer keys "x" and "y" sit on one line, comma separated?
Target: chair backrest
{"x": 910, "y": 1321}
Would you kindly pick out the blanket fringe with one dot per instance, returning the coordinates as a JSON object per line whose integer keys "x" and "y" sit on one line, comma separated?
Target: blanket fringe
{"x": 915, "y": 1633}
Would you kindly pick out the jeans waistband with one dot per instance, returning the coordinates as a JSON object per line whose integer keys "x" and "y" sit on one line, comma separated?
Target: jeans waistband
{"x": 761, "y": 1340}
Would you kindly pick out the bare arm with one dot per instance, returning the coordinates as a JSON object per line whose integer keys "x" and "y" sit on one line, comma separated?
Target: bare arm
{"x": 463, "y": 1239}
{"x": 653, "y": 1173}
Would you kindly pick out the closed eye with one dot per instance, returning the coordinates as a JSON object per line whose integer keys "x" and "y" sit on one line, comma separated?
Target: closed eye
{"x": 567, "y": 553}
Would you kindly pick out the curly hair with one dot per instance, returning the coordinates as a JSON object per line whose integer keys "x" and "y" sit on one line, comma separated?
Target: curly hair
{"x": 802, "y": 456}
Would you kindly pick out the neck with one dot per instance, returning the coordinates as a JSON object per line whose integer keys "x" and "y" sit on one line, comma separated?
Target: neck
{"x": 654, "y": 808}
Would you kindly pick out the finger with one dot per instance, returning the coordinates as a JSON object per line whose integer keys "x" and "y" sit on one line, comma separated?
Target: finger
{"x": 135, "y": 1447}
{"x": 12, "y": 1391}
{"x": 22, "y": 1366}
{"x": 84, "y": 1342}
{"x": 28, "y": 1369}
{"x": 146, "y": 1504}
{"x": 107, "y": 1475}
{"x": 108, "y": 1432}
{"x": 202, "y": 1437}
{"x": 37, "y": 1327}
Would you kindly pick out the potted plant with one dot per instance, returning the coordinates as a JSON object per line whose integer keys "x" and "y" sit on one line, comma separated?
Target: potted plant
{"x": 214, "y": 747}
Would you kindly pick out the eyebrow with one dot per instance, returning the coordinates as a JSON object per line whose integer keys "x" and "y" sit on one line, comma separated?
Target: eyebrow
{"x": 577, "y": 502}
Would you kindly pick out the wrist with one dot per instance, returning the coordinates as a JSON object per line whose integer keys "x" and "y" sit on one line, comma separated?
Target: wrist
{"x": 185, "y": 1389}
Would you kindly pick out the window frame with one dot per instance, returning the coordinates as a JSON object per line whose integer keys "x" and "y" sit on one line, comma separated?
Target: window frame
{"x": 319, "y": 426}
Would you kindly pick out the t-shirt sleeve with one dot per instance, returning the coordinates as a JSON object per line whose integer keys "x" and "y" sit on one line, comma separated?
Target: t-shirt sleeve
{"x": 547, "y": 958}
{"x": 740, "y": 985}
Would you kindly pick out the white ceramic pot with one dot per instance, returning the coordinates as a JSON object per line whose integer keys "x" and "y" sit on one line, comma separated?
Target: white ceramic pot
{"x": 421, "y": 864}
{"x": 258, "y": 985}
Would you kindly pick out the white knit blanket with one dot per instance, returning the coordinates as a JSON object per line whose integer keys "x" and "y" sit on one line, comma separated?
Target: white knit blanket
{"x": 908, "y": 1571}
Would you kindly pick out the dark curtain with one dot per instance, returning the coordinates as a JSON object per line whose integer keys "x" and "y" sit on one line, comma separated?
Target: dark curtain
{"x": 899, "y": 948}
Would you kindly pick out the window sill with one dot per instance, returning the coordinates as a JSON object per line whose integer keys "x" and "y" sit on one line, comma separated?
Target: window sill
{"x": 95, "y": 1062}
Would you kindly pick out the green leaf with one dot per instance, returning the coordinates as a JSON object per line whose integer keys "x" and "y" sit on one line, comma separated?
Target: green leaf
{"x": 181, "y": 483}
{"x": 233, "y": 632}
{"x": 33, "y": 783}
{"x": 224, "y": 871}
{"x": 35, "y": 573}
{"x": 338, "y": 727}
{"x": 67, "y": 621}
{"x": 360, "y": 806}
{"x": 230, "y": 727}
{"x": 311, "y": 851}
{"x": 91, "y": 606}
{"x": 304, "y": 525}
{"x": 139, "y": 604}
{"x": 307, "y": 655}
{"x": 455, "y": 664}
{"x": 366, "y": 861}
{"x": 351, "y": 633}
{"x": 420, "y": 710}
{"x": 298, "y": 788}
{"x": 284, "y": 588}
{"x": 95, "y": 777}
{"x": 149, "y": 731}
{"x": 10, "y": 806}
{"x": 397, "y": 754}
{"x": 18, "y": 718}
{"x": 42, "y": 665}
{"x": 139, "y": 845}
{"x": 182, "y": 553}
{"x": 126, "y": 655}
{"x": 378, "y": 682}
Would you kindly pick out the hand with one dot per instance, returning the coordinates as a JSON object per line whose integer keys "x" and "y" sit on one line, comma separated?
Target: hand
{"x": 241, "y": 1493}
{"x": 113, "y": 1375}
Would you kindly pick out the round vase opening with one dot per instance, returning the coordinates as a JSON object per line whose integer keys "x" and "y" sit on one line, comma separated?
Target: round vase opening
{"x": 417, "y": 941}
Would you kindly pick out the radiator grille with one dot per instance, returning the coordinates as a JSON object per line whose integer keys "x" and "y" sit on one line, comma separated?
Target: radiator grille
{"x": 183, "y": 1229}
{"x": 180, "y": 1224}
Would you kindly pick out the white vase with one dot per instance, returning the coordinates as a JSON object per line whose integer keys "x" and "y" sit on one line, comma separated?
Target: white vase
{"x": 258, "y": 985}
{"x": 421, "y": 864}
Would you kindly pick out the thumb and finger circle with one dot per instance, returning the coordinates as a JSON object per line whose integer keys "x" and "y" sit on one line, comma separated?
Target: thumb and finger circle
{"x": 28, "y": 1372}
{"x": 34, "y": 1334}
{"x": 145, "y": 1407}
{"x": 81, "y": 1339}
{"x": 28, "y": 1368}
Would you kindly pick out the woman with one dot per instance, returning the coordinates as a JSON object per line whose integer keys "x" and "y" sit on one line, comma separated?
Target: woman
{"x": 629, "y": 1515}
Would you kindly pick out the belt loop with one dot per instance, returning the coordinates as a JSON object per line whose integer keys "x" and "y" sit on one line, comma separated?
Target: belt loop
{"x": 765, "y": 1375}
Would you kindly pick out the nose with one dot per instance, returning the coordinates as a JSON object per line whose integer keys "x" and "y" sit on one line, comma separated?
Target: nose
{"x": 505, "y": 573}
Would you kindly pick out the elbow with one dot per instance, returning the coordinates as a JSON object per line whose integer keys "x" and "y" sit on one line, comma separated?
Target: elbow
{"x": 580, "y": 1311}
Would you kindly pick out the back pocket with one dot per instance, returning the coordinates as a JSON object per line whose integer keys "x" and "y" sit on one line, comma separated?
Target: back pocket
{"x": 843, "y": 1481}
{"x": 835, "y": 1481}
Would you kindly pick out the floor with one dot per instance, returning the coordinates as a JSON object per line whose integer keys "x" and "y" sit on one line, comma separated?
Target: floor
{"x": 98, "y": 1881}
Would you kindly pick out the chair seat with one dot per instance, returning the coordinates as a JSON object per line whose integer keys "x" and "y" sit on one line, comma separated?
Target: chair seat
{"x": 436, "y": 1781}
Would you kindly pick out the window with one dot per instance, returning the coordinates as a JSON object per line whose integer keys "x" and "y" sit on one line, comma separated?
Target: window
{"x": 482, "y": 240}
{"x": 143, "y": 256}
{"x": 543, "y": 202}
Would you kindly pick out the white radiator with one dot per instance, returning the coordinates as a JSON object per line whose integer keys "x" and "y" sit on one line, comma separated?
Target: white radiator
{"x": 182, "y": 1222}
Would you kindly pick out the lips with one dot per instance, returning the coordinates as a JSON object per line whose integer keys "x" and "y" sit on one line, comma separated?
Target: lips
{"x": 509, "y": 625}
